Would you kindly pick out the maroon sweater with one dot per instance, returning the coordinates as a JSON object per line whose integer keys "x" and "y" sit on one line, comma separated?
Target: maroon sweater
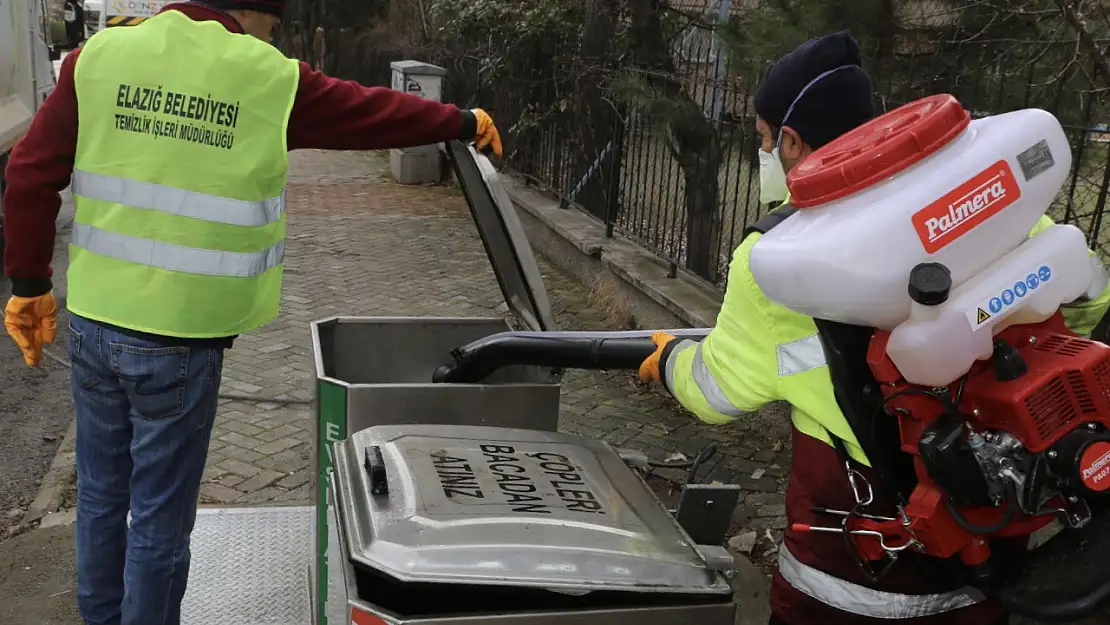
{"x": 327, "y": 114}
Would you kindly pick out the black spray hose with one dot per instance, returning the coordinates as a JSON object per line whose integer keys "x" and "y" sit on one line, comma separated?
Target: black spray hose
{"x": 1021, "y": 603}
{"x": 1094, "y": 603}
{"x": 478, "y": 360}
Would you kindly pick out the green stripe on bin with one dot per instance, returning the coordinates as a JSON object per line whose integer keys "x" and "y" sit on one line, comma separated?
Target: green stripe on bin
{"x": 331, "y": 427}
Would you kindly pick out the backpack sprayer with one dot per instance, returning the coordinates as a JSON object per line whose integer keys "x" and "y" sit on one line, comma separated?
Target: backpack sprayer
{"x": 916, "y": 228}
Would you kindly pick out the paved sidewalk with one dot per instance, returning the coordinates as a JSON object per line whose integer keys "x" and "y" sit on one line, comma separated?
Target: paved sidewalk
{"x": 360, "y": 245}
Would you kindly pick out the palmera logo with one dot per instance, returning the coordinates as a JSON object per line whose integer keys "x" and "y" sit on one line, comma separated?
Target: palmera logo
{"x": 966, "y": 206}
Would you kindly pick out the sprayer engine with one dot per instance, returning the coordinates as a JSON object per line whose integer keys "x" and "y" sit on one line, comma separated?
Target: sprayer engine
{"x": 1020, "y": 440}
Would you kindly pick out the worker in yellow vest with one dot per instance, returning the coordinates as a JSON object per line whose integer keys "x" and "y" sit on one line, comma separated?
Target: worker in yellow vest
{"x": 760, "y": 352}
{"x": 175, "y": 134}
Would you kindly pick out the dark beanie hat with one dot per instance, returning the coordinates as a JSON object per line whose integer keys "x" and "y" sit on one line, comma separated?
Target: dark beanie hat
{"x": 274, "y": 7}
{"x": 831, "y": 106}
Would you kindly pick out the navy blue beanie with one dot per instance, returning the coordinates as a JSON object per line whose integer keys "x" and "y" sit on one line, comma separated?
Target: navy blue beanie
{"x": 835, "y": 104}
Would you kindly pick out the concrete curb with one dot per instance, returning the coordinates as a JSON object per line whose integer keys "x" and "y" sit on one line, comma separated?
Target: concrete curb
{"x": 576, "y": 243}
{"x": 61, "y": 476}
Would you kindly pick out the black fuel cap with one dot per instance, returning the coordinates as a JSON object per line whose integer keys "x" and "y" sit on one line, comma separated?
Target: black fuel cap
{"x": 930, "y": 284}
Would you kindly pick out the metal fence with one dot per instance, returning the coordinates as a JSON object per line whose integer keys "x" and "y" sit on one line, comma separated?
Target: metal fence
{"x": 613, "y": 161}
{"x": 571, "y": 128}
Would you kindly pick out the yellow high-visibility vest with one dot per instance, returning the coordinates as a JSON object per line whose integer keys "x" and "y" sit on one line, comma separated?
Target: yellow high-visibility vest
{"x": 179, "y": 178}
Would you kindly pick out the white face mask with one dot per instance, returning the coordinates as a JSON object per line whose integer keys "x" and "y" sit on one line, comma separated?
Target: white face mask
{"x": 772, "y": 178}
{"x": 772, "y": 175}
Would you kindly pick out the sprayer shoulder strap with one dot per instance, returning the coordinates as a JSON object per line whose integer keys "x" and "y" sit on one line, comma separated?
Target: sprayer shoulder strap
{"x": 763, "y": 226}
{"x": 771, "y": 219}
{"x": 892, "y": 479}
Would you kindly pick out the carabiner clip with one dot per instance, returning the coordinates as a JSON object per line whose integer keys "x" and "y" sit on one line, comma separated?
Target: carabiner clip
{"x": 853, "y": 476}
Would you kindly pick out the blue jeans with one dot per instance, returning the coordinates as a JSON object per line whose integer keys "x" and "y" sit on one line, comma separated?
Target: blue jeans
{"x": 144, "y": 419}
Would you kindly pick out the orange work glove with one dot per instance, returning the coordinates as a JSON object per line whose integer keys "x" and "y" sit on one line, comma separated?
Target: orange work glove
{"x": 32, "y": 322}
{"x": 649, "y": 369}
{"x": 487, "y": 135}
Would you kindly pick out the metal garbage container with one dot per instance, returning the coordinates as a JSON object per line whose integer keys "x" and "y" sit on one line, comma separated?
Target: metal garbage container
{"x": 378, "y": 370}
{"x": 471, "y": 525}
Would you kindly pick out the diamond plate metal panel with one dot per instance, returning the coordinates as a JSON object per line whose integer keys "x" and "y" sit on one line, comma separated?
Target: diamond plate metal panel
{"x": 249, "y": 567}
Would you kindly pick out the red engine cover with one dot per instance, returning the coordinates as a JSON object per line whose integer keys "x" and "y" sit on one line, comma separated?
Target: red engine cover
{"x": 1067, "y": 384}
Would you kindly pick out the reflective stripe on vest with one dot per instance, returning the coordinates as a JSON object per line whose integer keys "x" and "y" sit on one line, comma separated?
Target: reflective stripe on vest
{"x": 800, "y": 356}
{"x": 178, "y": 201}
{"x": 176, "y": 257}
{"x": 867, "y": 602}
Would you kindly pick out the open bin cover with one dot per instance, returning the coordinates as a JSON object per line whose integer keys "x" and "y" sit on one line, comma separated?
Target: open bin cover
{"x": 480, "y": 505}
{"x": 506, "y": 244}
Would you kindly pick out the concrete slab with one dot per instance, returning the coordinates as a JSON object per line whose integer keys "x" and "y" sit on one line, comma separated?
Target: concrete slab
{"x": 59, "y": 519}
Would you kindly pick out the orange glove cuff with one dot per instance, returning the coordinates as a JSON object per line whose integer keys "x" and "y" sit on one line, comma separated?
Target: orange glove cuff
{"x": 487, "y": 135}
{"x": 650, "y": 368}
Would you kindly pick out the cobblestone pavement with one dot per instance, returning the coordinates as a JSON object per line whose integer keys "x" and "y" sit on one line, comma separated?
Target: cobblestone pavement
{"x": 360, "y": 245}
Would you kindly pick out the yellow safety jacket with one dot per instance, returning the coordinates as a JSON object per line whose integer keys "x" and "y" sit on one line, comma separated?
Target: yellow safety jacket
{"x": 761, "y": 352}
{"x": 179, "y": 178}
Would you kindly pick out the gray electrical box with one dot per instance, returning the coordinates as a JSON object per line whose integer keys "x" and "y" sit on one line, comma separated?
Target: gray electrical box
{"x": 419, "y": 164}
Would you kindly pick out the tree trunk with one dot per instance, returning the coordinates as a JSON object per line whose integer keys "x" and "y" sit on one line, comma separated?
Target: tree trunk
{"x": 885, "y": 31}
{"x": 695, "y": 140}
{"x": 290, "y": 42}
{"x": 310, "y": 22}
{"x": 1071, "y": 12}
{"x": 703, "y": 223}
{"x": 598, "y": 121}
{"x": 333, "y": 49}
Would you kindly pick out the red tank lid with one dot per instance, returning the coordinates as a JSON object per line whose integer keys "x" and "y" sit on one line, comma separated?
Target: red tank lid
{"x": 876, "y": 150}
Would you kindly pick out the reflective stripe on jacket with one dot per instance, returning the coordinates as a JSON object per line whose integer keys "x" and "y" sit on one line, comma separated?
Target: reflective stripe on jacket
{"x": 868, "y": 602}
{"x": 179, "y": 178}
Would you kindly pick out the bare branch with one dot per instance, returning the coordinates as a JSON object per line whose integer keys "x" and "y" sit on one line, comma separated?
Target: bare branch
{"x": 1071, "y": 12}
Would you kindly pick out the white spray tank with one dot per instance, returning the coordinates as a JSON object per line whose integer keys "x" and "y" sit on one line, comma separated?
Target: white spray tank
{"x": 923, "y": 200}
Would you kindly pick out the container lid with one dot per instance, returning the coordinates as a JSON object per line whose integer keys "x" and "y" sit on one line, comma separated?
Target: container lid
{"x": 930, "y": 284}
{"x": 491, "y": 506}
{"x": 876, "y": 150}
{"x": 514, "y": 262}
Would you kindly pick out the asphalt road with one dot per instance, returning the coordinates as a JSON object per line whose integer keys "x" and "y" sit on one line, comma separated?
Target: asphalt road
{"x": 36, "y": 407}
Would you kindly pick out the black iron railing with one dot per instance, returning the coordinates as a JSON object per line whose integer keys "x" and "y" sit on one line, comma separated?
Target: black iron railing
{"x": 617, "y": 162}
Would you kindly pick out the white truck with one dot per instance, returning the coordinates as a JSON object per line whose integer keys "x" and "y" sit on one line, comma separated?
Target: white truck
{"x": 101, "y": 14}
{"x": 26, "y": 74}
{"x": 93, "y": 10}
